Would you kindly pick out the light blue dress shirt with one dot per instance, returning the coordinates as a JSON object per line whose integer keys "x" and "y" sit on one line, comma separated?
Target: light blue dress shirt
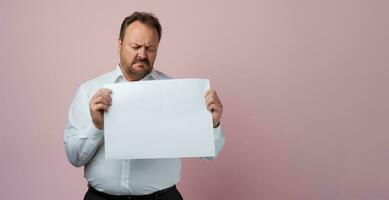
{"x": 84, "y": 145}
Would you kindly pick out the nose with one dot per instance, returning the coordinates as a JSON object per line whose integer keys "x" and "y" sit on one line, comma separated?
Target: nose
{"x": 142, "y": 53}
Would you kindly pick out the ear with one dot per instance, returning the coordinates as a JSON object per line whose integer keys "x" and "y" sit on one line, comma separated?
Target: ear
{"x": 119, "y": 45}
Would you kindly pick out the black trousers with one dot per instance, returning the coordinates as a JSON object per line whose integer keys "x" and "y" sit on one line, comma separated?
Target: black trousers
{"x": 167, "y": 194}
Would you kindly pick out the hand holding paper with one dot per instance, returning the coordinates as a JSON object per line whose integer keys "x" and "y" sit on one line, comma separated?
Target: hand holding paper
{"x": 215, "y": 106}
{"x": 98, "y": 105}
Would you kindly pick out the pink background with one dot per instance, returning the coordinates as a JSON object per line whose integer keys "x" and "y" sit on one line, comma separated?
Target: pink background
{"x": 304, "y": 84}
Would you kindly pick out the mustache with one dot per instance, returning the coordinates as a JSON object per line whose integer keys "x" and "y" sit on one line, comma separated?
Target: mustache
{"x": 144, "y": 60}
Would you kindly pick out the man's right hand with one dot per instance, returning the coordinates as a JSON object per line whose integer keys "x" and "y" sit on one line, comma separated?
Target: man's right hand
{"x": 98, "y": 105}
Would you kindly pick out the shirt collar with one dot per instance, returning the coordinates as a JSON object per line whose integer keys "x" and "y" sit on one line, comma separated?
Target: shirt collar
{"x": 119, "y": 77}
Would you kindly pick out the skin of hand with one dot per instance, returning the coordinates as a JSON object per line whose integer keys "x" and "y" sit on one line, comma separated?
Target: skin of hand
{"x": 98, "y": 105}
{"x": 215, "y": 106}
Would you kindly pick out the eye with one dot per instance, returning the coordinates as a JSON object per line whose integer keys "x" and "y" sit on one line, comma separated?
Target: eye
{"x": 152, "y": 49}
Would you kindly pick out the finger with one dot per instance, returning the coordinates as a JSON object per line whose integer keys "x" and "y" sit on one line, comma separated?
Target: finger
{"x": 216, "y": 99}
{"x": 101, "y": 99}
{"x": 210, "y": 100}
{"x": 107, "y": 97}
{"x": 213, "y": 108}
{"x": 214, "y": 94}
{"x": 211, "y": 93}
{"x": 106, "y": 91}
{"x": 208, "y": 92}
{"x": 102, "y": 91}
{"x": 99, "y": 107}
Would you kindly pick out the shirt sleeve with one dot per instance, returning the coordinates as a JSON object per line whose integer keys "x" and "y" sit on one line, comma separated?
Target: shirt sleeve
{"x": 81, "y": 137}
{"x": 219, "y": 142}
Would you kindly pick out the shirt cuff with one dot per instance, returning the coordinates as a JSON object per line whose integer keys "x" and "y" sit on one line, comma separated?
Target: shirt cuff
{"x": 217, "y": 132}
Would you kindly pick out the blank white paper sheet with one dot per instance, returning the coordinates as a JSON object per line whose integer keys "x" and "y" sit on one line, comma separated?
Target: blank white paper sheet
{"x": 158, "y": 119}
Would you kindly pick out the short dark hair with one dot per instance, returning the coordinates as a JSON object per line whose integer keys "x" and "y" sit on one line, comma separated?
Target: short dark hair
{"x": 144, "y": 17}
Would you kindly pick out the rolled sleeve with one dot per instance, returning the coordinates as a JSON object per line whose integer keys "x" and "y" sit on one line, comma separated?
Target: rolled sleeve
{"x": 219, "y": 142}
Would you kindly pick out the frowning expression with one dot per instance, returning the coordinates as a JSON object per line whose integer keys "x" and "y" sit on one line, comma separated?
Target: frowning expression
{"x": 138, "y": 50}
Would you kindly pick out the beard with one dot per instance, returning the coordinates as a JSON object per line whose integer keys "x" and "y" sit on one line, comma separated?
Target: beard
{"x": 138, "y": 72}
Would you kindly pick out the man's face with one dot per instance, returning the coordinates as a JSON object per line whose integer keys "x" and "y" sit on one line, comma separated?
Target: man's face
{"x": 138, "y": 50}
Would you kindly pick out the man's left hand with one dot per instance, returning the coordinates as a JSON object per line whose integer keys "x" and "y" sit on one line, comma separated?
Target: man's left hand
{"x": 215, "y": 106}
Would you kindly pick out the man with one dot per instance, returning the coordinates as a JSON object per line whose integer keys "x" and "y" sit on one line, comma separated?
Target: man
{"x": 138, "y": 43}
